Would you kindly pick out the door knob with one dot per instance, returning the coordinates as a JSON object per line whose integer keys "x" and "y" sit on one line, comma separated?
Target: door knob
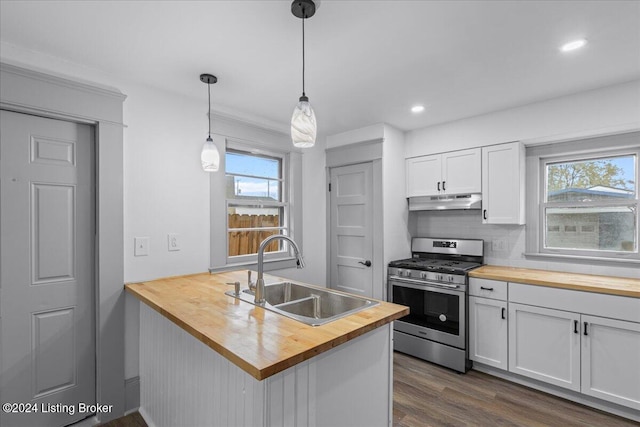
{"x": 366, "y": 263}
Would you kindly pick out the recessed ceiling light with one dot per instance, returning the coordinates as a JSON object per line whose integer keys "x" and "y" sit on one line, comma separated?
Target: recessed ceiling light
{"x": 417, "y": 109}
{"x": 573, "y": 45}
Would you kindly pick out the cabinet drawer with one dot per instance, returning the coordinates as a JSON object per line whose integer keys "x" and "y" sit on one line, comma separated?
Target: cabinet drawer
{"x": 604, "y": 305}
{"x": 494, "y": 289}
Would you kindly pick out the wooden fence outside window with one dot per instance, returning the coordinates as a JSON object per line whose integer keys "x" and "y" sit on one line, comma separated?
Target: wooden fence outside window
{"x": 245, "y": 242}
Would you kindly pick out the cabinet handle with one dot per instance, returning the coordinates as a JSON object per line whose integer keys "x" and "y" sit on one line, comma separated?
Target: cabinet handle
{"x": 585, "y": 328}
{"x": 484, "y": 214}
{"x": 575, "y": 327}
{"x": 443, "y": 189}
{"x": 486, "y": 289}
{"x": 504, "y": 313}
{"x": 438, "y": 185}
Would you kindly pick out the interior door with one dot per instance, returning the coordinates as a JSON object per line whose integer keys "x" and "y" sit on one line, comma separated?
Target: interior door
{"x": 351, "y": 229}
{"x": 47, "y": 321}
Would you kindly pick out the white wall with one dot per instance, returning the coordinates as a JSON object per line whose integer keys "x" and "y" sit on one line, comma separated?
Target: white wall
{"x": 603, "y": 111}
{"x": 607, "y": 110}
{"x": 397, "y": 240}
{"x": 165, "y": 189}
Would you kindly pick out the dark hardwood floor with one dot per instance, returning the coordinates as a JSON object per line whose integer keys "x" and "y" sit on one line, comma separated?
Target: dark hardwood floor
{"x": 428, "y": 395}
{"x": 131, "y": 420}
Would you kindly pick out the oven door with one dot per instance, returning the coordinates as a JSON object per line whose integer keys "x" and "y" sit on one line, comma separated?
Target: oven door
{"x": 436, "y": 313}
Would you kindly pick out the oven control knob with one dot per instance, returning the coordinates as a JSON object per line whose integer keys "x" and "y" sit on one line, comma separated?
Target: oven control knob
{"x": 406, "y": 273}
{"x": 423, "y": 275}
{"x": 450, "y": 277}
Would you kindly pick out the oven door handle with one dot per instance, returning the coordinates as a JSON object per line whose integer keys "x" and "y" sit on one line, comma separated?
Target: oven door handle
{"x": 421, "y": 284}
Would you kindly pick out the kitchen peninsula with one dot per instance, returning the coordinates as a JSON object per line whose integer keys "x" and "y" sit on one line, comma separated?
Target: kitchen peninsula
{"x": 207, "y": 358}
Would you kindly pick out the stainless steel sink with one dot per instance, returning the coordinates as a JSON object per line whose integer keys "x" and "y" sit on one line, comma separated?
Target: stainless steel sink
{"x": 307, "y": 304}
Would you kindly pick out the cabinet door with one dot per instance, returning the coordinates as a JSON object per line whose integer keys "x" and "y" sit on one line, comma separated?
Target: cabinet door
{"x": 503, "y": 184}
{"x": 488, "y": 331}
{"x": 610, "y": 358}
{"x": 545, "y": 344}
{"x": 461, "y": 172}
{"x": 424, "y": 175}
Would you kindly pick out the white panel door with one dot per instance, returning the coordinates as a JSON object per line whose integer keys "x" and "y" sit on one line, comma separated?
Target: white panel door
{"x": 610, "y": 357}
{"x": 47, "y": 322}
{"x": 352, "y": 229}
{"x": 488, "y": 334}
{"x": 424, "y": 175}
{"x": 545, "y": 344}
{"x": 461, "y": 172}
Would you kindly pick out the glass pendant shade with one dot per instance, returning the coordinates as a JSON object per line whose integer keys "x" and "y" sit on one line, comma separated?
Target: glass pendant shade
{"x": 210, "y": 156}
{"x": 303, "y": 124}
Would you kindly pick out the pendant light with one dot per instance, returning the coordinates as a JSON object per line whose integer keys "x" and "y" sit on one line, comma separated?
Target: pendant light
{"x": 210, "y": 156}
{"x": 303, "y": 121}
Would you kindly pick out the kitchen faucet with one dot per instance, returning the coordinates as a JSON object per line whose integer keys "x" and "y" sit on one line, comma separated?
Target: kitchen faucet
{"x": 259, "y": 291}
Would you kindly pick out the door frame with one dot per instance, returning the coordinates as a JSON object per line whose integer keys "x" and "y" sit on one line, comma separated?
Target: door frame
{"x": 362, "y": 152}
{"x": 33, "y": 92}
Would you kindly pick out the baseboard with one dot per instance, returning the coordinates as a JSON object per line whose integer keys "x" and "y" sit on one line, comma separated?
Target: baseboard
{"x": 573, "y": 396}
{"x": 131, "y": 395}
{"x": 146, "y": 417}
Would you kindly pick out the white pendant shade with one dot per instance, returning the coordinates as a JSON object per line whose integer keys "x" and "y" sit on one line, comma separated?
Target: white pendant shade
{"x": 210, "y": 156}
{"x": 303, "y": 125}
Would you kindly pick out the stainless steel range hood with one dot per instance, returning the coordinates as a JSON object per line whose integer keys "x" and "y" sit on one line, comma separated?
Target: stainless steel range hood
{"x": 440, "y": 203}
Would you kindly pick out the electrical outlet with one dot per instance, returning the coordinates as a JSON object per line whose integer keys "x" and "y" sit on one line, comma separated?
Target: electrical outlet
{"x": 173, "y": 241}
{"x": 141, "y": 246}
{"x": 499, "y": 245}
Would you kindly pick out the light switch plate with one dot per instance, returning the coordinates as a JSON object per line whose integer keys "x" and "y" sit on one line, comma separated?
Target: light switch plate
{"x": 141, "y": 246}
{"x": 173, "y": 240}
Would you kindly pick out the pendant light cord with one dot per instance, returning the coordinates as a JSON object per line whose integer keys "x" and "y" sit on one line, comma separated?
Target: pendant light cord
{"x": 209, "y": 111}
{"x": 303, "y": 15}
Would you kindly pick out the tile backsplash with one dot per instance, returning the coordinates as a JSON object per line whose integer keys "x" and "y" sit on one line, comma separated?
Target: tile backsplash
{"x": 504, "y": 244}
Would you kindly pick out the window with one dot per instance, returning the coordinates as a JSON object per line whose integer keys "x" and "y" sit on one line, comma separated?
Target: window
{"x": 589, "y": 204}
{"x": 256, "y": 204}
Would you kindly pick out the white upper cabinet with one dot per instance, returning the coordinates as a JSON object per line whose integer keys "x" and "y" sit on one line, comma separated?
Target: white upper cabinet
{"x": 503, "y": 176}
{"x": 423, "y": 175}
{"x": 457, "y": 172}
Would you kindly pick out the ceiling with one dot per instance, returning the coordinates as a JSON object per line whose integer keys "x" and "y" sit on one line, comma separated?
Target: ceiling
{"x": 367, "y": 61}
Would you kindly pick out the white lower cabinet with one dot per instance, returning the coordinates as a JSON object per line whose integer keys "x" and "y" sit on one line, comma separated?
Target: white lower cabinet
{"x": 488, "y": 335}
{"x": 545, "y": 344}
{"x": 563, "y": 337}
{"x": 488, "y": 322}
{"x": 611, "y": 360}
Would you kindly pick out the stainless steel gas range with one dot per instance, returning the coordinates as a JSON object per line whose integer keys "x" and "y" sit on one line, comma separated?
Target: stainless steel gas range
{"x": 433, "y": 283}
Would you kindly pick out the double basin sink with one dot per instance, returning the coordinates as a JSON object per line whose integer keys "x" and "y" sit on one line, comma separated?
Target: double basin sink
{"x": 306, "y": 304}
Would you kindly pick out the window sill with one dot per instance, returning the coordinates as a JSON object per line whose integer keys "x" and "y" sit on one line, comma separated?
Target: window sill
{"x": 582, "y": 258}
{"x": 269, "y": 265}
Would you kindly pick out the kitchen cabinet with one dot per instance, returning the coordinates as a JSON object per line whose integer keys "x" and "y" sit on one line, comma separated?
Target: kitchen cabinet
{"x": 583, "y": 341}
{"x": 488, "y": 333}
{"x": 456, "y": 172}
{"x": 544, "y": 344}
{"x": 503, "y": 174}
{"x": 610, "y": 356}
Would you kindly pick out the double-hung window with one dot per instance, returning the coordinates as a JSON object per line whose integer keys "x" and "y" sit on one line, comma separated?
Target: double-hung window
{"x": 589, "y": 204}
{"x": 257, "y": 204}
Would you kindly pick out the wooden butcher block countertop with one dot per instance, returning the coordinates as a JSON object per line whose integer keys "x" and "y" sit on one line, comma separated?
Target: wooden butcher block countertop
{"x": 582, "y": 282}
{"x": 259, "y": 341}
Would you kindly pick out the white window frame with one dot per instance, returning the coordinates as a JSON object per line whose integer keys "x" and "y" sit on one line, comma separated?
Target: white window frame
{"x": 283, "y": 203}
{"x": 291, "y": 193}
{"x": 537, "y": 159}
